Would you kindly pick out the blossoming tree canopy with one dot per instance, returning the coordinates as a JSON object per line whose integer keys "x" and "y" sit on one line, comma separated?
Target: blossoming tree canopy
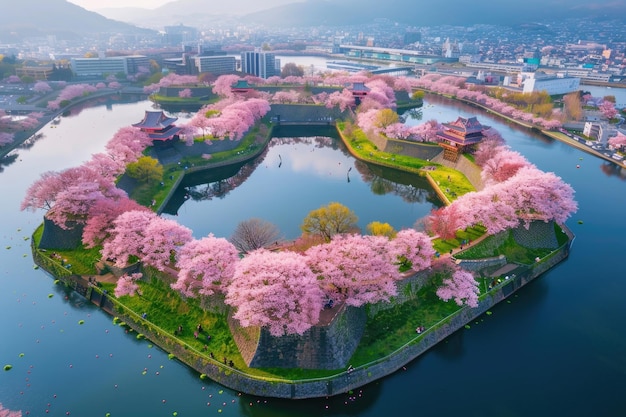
{"x": 412, "y": 247}
{"x": 355, "y": 269}
{"x": 275, "y": 290}
{"x": 461, "y": 287}
{"x": 206, "y": 266}
{"x": 145, "y": 236}
{"x": 127, "y": 285}
{"x": 101, "y": 216}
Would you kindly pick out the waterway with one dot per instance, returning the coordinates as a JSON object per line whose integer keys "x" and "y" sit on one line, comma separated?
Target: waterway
{"x": 556, "y": 349}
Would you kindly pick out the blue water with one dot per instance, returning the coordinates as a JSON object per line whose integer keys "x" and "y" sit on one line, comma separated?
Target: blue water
{"x": 557, "y": 349}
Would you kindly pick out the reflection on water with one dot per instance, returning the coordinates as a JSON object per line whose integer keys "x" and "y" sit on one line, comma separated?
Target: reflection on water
{"x": 292, "y": 177}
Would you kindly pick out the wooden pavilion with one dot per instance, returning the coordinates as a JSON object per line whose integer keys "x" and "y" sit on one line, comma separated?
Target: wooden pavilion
{"x": 159, "y": 127}
{"x": 460, "y": 136}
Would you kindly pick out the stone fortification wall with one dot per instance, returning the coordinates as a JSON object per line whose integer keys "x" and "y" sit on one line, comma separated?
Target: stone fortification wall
{"x": 467, "y": 167}
{"x": 538, "y": 235}
{"x": 305, "y": 113}
{"x": 55, "y": 237}
{"x": 321, "y": 347}
{"x": 423, "y": 151}
{"x": 476, "y": 265}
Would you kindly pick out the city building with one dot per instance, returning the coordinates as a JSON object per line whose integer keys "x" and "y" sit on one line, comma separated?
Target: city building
{"x": 391, "y": 54}
{"x": 89, "y": 67}
{"x": 260, "y": 63}
{"x": 38, "y": 73}
{"x": 550, "y": 83}
{"x": 216, "y": 65}
{"x": 601, "y": 131}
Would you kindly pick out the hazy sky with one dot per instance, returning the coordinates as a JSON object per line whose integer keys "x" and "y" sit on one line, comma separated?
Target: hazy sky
{"x": 100, "y": 4}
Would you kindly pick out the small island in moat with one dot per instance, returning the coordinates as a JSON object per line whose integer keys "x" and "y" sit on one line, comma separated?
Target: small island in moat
{"x": 335, "y": 309}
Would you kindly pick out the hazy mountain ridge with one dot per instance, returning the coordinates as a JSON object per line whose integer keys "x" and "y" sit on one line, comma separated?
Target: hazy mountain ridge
{"x": 422, "y": 13}
{"x": 303, "y": 13}
{"x": 29, "y": 18}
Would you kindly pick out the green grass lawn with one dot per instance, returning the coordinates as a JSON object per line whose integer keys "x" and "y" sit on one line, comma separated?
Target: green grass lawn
{"x": 81, "y": 259}
{"x": 391, "y": 329}
{"x": 469, "y": 234}
{"x": 513, "y": 251}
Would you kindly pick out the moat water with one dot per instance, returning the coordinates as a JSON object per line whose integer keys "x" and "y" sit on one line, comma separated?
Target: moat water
{"x": 556, "y": 349}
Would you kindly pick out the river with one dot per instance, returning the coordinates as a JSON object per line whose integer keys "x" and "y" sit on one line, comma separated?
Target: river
{"x": 556, "y": 349}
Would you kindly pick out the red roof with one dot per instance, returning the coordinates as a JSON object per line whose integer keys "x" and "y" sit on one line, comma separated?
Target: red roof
{"x": 155, "y": 120}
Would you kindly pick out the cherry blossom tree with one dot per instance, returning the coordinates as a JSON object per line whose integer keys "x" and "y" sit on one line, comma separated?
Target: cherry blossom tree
{"x": 128, "y": 144}
{"x": 74, "y": 202}
{"x": 608, "y": 109}
{"x": 231, "y": 118}
{"x": 101, "y": 216}
{"x": 618, "y": 141}
{"x": 355, "y": 269}
{"x": 291, "y": 96}
{"x": 538, "y": 195}
{"x": 52, "y": 187}
{"x": 163, "y": 238}
{"x": 114, "y": 85}
{"x": 145, "y": 236}
{"x": 425, "y": 132}
{"x": 170, "y": 80}
{"x": 461, "y": 287}
{"x": 42, "y": 87}
{"x": 412, "y": 248}
{"x": 127, "y": 285}
{"x": 445, "y": 221}
{"x": 502, "y": 165}
{"x": 186, "y": 93}
{"x": 206, "y": 266}
{"x": 275, "y": 290}
{"x": 344, "y": 100}
{"x": 6, "y": 138}
{"x": 223, "y": 84}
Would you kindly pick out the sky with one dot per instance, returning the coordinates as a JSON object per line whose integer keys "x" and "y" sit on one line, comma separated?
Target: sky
{"x": 102, "y": 4}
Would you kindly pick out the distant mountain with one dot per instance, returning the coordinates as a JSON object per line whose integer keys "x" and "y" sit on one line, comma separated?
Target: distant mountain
{"x": 28, "y": 18}
{"x": 199, "y": 13}
{"x": 429, "y": 13}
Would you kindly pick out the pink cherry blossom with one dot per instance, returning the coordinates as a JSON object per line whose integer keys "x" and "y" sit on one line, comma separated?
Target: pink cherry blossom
{"x": 462, "y": 288}
{"x": 275, "y": 290}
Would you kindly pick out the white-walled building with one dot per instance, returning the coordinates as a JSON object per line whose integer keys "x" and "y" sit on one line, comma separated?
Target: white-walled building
{"x": 86, "y": 67}
{"x": 601, "y": 131}
{"x": 552, "y": 84}
{"x": 217, "y": 65}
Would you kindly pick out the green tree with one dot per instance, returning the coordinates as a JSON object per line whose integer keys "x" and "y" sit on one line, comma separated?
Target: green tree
{"x": 381, "y": 229}
{"x": 327, "y": 221}
{"x": 146, "y": 170}
{"x": 417, "y": 95}
{"x": 386, "y": 117}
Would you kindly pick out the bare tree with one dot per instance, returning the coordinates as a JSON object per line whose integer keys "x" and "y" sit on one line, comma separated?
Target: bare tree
{"x": 254, "y": 234}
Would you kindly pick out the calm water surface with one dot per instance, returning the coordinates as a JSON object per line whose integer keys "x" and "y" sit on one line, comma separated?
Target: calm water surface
{"x": 558, "y": 348}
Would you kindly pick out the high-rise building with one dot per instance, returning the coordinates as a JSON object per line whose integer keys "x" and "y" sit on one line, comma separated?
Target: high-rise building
{"x": 260, "y": 63}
